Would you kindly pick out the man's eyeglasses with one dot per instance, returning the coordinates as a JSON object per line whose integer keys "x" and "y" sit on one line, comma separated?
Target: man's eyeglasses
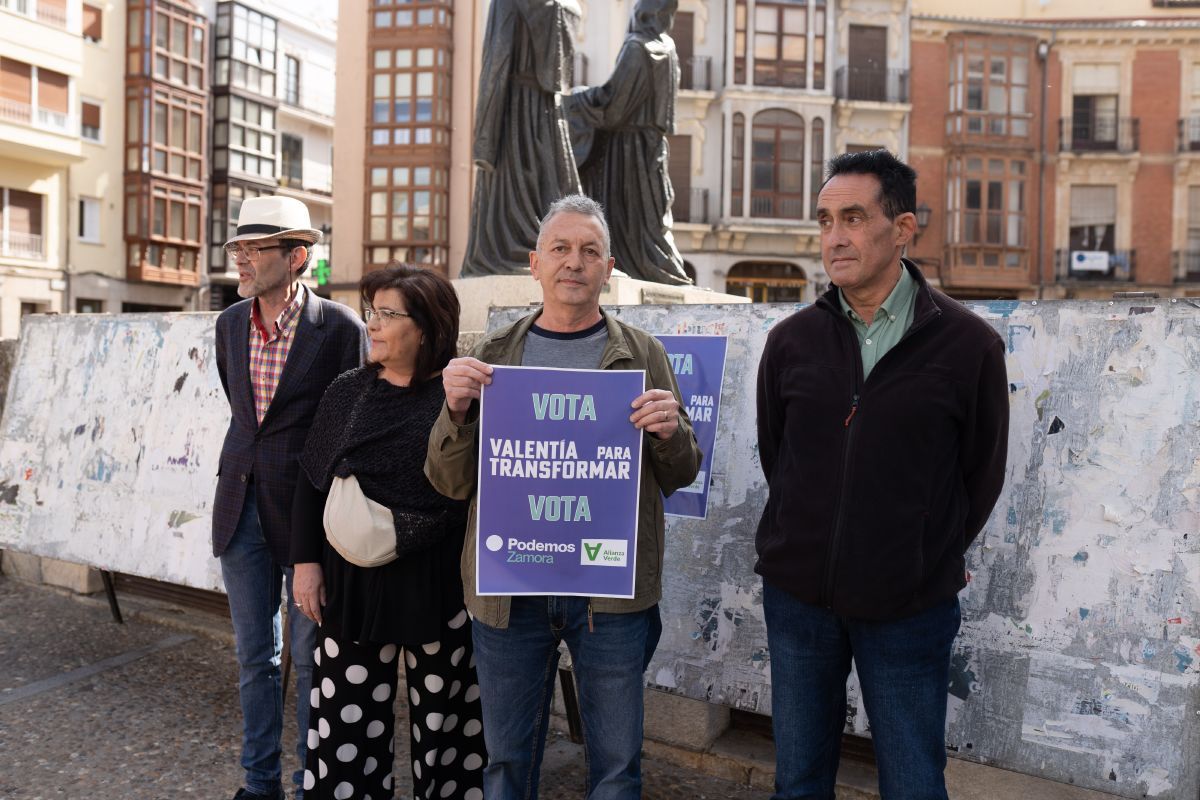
{"x": 385, "y": 315}
{"x": 253, "y": 253}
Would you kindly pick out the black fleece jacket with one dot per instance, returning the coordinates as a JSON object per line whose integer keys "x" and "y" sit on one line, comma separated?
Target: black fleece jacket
{"x": 877, "y": 487}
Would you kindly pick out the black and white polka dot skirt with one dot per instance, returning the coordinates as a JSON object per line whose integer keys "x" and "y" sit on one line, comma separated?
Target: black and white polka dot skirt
{"x": 351, "y": 738}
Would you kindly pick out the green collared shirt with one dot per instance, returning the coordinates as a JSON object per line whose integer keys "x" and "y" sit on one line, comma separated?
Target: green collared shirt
{"x": 889, "y": 324}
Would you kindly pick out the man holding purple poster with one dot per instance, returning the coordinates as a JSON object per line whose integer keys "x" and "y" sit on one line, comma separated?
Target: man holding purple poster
{"x": 516, "y": 637}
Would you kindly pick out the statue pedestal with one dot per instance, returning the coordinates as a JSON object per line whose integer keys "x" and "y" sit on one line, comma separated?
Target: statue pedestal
{"x": 481, "y": 294}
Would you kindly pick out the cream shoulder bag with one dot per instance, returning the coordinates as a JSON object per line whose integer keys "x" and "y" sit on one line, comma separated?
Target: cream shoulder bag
{"x": 361, "y": 530}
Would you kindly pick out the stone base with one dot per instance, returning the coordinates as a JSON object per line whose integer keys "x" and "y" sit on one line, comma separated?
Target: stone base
{"x": 680, "y": 722}
{"x": 481, "y": 294}
{"x": 51, "y": 572}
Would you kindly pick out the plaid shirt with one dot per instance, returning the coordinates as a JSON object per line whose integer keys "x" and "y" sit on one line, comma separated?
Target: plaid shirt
{"x": 269, "y": 349}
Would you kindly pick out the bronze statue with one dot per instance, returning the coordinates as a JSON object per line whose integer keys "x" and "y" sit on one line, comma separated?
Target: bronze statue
{"x": 620, "y": 132}
{"x": 522, "y": 141}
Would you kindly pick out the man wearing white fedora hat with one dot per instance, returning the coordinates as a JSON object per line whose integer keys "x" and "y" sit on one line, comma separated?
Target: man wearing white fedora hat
{"x": 277, "y": 351}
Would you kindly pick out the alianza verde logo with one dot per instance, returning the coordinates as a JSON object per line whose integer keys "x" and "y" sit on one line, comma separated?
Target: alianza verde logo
{"x": 604, "y": 553}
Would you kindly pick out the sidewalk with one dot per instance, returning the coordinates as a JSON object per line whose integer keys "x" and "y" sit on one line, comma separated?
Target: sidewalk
{"x": 149, "y": 711}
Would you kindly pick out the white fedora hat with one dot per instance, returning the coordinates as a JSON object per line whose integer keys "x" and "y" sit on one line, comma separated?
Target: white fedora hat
{"x": 275, "y": 218}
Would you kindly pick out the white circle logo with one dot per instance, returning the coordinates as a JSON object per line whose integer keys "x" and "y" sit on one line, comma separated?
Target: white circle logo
{"x": 494, "y": 542}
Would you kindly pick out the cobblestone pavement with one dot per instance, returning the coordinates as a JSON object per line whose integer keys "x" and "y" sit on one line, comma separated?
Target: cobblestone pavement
{"x": 145, "y": 711}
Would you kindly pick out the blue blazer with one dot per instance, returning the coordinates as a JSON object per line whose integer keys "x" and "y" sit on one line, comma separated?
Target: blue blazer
{"x": 329, "y": 339}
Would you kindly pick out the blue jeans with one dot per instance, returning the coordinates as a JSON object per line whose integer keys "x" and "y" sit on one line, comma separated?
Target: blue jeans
{"x": 517, "y": 666}
{"x": 253, "y": 582}
{"x": 904, "y": 671}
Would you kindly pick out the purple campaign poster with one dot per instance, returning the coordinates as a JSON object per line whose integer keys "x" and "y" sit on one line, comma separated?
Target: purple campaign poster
{"x": 559, "y": 467}
{"x": 699, "y": 365}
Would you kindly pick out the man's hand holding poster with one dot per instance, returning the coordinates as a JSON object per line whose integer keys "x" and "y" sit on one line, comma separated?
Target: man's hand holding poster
{"x": 559, "y": 468}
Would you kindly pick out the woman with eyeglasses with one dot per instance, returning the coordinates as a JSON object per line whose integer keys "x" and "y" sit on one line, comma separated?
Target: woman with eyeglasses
{"x": 376, "y": 552}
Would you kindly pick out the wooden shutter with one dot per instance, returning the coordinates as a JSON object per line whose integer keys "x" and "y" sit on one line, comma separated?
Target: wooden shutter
{"x": 24, "y": 212}
{"x": 679, "y": 170}
{"x": 1093, "y": 205}
{"x": 15, "y": 81}
{"x": 93, "y": 21}
{"x": 52, "y": 91}
{"x": 868, "y": 63}
{"x": 683, "y": 32}
{"x": 90, "y": 115}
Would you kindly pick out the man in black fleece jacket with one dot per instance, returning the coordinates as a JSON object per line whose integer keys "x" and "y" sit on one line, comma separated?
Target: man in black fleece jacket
{"x": 882, "y": 428}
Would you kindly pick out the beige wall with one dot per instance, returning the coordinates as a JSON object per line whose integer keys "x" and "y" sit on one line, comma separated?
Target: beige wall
{"x": 349, "y": 147}
{"x": 100, "y": 175}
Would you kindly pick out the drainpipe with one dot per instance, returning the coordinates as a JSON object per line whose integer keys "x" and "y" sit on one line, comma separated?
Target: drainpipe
{"x": 1043, "y": 52}
{"x": 68, "y": 306}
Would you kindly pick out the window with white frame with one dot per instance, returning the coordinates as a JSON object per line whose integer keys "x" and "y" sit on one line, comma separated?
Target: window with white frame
{"x": 89, "y": 121}
{"x": 986, "y": 211}
{"x": 21, "y": 224}
{"x": 779, "y": 38}
{"x": 89, "y": 220}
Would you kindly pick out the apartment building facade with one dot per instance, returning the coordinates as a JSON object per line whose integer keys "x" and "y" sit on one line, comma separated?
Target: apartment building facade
{"x": 41, "y": 60}
{"x": 1058, "y": 154}
{"x": 769, "y": 90}
{"x": 272, "y": 123}
{"x": 130, "y": 132}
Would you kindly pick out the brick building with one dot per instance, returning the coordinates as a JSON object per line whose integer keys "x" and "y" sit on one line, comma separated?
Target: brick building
{"x": 1057, "y": 157}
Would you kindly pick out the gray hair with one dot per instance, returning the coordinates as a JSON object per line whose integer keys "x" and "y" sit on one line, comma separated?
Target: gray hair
{"x": 577, "y": 204}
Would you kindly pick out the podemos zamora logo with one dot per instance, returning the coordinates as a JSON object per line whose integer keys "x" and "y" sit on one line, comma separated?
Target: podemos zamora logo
{"x": 527, "y": 551}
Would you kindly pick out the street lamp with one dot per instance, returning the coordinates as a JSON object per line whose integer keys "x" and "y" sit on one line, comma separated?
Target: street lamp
{"x": 923, "y": 212}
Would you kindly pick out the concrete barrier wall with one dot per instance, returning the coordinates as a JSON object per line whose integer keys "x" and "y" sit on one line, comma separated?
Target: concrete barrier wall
{"x": 8, "y": 357}
{"x": 1079, "y": 652}
{"x": 1079, "y": 658}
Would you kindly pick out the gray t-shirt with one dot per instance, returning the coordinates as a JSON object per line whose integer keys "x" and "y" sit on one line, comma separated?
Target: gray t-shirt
{"x": 578, "y": 350}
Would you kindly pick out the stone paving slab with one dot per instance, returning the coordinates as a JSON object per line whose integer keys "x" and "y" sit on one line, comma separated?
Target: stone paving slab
{"x": 92, "y": 710}
{"x": 144, "y": 711}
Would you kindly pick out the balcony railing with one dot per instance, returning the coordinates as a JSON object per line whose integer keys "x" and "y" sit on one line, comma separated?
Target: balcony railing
{"x": 1076, "y": 265}
{"x": 22, "y": 245}
{"x": 876, "y": 85}
{"x": 53, "y": 119}
{"x": 691, "y": 207}
{"x": 695, "y": 74}
{"x": 1098, "y": 134}
{"x": 1187, "y": 266}
{"x": 48, "y": 14}
{"x": 51, "y": 15}
{"x": 291, "y": 174}
{"x": 23, "y": 114}
{"x": 314, "y": 101}
{"x": 15, "y": 112}
{"x": 776, "y": 206}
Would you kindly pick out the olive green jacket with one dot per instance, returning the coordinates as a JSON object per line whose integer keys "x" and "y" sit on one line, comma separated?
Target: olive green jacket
{"x": 667, "y": 464}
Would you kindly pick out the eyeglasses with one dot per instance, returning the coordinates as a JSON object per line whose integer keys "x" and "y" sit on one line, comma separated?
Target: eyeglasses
{"x": 385, "y": 315}
{"x": 236, "y": 251}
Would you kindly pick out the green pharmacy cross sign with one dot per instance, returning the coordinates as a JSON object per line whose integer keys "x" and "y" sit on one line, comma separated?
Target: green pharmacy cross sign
{"x": 321, "y": 271}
